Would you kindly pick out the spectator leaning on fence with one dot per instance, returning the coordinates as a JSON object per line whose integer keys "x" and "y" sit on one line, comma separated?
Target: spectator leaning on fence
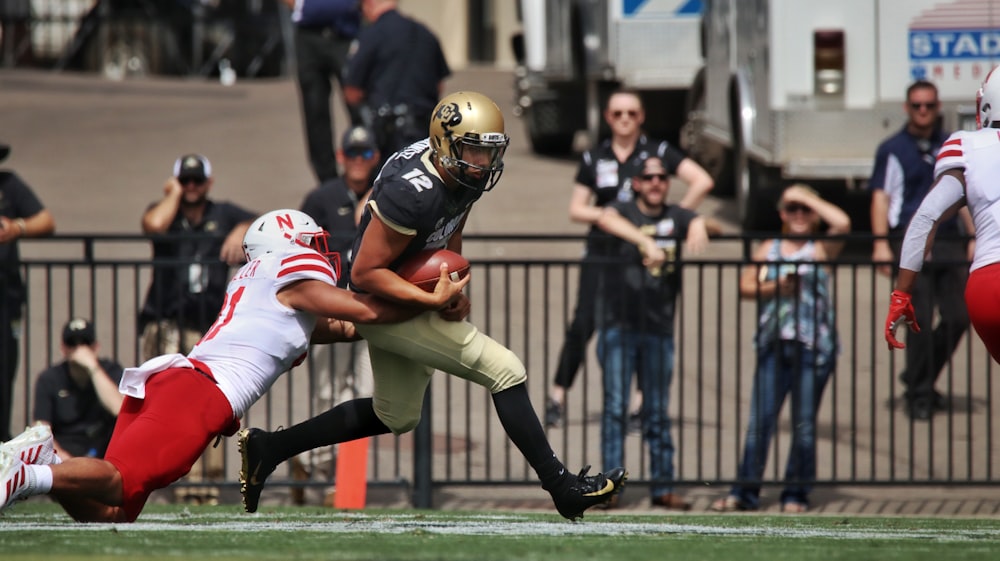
{"x": 191, "y": 264}
{"x": 21, "y": 216}
{"x": 796, "y": 344}
{"x": 636, "y": 329}
{"x": 604, "y": 176}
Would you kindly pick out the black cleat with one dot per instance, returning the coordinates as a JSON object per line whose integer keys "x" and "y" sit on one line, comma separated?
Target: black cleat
{"x": 255, "y": 468}
{"x": 579, "y": 493}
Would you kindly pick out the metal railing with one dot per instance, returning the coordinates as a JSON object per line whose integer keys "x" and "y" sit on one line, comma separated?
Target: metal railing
{"x": 864, "y": 436}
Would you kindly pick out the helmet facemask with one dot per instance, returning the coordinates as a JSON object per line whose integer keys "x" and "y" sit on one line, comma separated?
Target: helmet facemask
{"x": 480, "y": 154}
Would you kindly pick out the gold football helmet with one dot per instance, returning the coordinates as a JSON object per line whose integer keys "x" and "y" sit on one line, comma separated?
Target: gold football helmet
{"x": 468, "y": 139}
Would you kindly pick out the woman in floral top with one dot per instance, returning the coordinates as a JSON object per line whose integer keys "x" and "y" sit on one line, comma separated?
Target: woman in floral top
{"x": 796, "y": 344}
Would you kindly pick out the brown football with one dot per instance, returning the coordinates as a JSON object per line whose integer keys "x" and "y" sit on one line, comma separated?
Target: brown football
{"x": 424, "y": 267}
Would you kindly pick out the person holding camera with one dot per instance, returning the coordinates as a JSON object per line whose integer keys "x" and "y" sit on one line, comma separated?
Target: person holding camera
{"x": 78, "y": 398}
{"x": 796, "y": 343}
{"x": 394, "y": 76}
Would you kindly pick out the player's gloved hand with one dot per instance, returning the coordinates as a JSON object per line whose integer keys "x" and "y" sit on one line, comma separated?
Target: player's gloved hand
{"x": 900, "y": 310}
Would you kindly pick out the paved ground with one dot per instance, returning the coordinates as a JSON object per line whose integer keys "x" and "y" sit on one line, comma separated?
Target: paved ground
{"x": 98, "y": 153}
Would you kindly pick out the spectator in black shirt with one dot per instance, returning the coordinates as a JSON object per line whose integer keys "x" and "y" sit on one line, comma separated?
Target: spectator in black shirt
{"x": 21, "y": 216}
{"x": 603, "y": 177}
{"x": 394, "y": 76}
{"x": 78, "y": 397}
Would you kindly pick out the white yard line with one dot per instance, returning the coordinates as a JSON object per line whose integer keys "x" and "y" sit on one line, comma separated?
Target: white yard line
{"x": 352, "y": 523}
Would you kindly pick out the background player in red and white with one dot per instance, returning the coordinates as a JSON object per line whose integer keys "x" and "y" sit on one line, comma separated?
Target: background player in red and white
{"x": 968, "y": 174}
{"x": 284, "y": 296}
{"x": 421, "y": 200}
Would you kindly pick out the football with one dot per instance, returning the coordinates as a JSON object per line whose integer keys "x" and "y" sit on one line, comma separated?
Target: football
{"x": 424, "y": 268}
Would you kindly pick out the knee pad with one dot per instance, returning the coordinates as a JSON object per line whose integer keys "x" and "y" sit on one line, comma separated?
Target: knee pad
{"x": 399, "y": 422}
{"x": 503, "y": 367}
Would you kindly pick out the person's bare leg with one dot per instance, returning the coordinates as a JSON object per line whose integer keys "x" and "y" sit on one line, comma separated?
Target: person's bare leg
{"x": 89, "y": 489}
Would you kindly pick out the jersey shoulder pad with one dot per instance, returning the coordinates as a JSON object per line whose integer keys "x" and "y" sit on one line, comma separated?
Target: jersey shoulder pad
{"x": 952, "y": 153}
{"x": 302, "y": 263}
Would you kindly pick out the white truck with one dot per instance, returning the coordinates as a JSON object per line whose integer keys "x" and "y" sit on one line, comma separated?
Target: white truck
{"x": 807, "y": 89}
{"x": 572, "y": 53}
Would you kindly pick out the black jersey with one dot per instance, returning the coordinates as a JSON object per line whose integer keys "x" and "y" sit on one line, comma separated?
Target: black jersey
{"x": 411, "y": 198}
{"x": 611, "y": 180}
{"x": 633, "y": 297}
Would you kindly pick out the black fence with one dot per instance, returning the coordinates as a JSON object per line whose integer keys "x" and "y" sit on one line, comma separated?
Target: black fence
{"x": 864, "y": 435}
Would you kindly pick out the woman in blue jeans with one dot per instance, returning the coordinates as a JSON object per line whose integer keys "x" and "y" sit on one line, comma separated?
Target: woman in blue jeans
{"x": 796, "y": 344}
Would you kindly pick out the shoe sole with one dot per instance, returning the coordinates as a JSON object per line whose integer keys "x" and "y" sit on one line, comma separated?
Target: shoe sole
{"x": 241, "y": 440}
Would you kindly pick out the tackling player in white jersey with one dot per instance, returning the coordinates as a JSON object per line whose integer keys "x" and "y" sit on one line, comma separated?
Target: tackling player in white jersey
{"x": 283, "y": 298}
{"x": 968, "y": 174}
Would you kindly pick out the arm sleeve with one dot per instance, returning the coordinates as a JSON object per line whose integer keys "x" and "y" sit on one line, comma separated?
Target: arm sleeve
{"x": 943, "y": 196}
{"x": 672, "y": 157}
{"x": 877, "y": 180}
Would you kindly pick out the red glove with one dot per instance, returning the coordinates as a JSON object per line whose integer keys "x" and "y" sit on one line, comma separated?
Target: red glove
{"x": 900, "y": 310}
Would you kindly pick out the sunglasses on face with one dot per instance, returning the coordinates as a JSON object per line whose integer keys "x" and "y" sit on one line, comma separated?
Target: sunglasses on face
{"x": 652, "y": 176}
{"x": 792, "y": 208}
{"x": 617, "y": 114}
{"x": 916, "y": 105}
{"x": 366, "y": 153}
{"x": 192, "y": 180}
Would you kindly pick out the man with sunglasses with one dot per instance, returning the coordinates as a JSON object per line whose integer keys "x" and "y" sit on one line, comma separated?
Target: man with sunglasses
{"x": 902, "y": 177}
{"x": 343, "y": 372}
{"x": 197, "y": 240}
{"x": 636, "y": 319}
{"x": 604, "y": 176}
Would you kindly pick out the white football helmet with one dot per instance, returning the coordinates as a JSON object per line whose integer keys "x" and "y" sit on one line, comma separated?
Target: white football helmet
{"x": 278, "y": 229}
{"x": 988, "y": 101}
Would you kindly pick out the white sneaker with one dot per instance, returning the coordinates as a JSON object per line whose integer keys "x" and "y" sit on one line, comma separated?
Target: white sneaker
{"x": 13, "y": 479}
{"x": 33, "y": 446}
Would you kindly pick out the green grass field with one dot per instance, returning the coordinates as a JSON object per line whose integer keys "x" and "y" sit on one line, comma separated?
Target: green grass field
{"x": 38, "y": 530}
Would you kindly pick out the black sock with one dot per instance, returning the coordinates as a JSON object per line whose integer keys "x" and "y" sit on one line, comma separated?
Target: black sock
{"x": 525, "y": 431}
{"x": 348, "y": 421}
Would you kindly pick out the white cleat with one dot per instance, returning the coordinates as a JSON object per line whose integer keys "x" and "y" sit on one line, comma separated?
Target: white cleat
{"x": 33, "y": 446}
{"x": 13, "y": 479}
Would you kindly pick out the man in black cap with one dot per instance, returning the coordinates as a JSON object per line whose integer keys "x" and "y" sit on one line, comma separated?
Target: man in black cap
{"x": 78, "y": 397}
{"x": 343, "y": 372}
{"x": 21, "y": 216}
{"x": 184, "y": 299}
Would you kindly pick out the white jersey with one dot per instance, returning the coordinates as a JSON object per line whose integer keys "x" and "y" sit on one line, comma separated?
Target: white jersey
{"x": 256, "y": 338}
{"x": 978, "y": 152}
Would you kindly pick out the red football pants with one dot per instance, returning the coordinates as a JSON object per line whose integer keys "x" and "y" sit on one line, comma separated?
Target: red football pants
{"x": 157, "y": 439}
{"x": 982, "y": 298}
